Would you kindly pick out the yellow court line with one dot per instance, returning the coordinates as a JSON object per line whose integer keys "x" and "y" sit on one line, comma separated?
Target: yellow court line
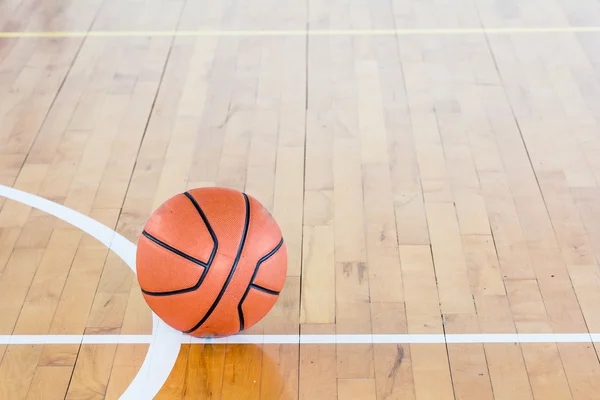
{"x": 304, "y": 32}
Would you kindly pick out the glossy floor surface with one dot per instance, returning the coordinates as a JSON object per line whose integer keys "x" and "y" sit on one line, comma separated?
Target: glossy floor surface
{"x": 434, "y": 167}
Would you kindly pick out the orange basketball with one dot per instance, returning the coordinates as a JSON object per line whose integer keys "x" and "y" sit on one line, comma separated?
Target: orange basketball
{"x": 211, "y": 262}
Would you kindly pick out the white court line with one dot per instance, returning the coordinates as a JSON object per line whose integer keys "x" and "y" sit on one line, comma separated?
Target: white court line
{"x": 306, "y": 32}
{"x": 75, "y": 339}
{"x": 314, "y": 339}
{"x": 402, "y": 338}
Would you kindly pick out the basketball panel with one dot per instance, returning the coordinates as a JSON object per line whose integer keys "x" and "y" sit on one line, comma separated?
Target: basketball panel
{"x": 256, "y": 305}
{"x": 225, "y": 209}
{"x": 272, "y": 271}
{"x": 178, "y": 224}
{"x": 161, "y": 270}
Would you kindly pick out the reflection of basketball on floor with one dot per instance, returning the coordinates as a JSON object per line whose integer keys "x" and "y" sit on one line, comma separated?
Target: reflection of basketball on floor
{"x": 211, "y": 262}
{"x": 233, "y": 371}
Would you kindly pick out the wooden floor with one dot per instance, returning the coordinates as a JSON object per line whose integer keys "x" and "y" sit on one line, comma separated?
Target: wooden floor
{"x": 441, "y": 180}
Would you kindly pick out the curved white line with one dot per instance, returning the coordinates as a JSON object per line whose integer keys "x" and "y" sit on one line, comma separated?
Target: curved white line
{"x": 165, "y": 342}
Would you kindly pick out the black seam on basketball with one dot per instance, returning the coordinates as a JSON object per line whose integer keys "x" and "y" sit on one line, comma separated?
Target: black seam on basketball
{"x": 174, "y": 250}
{"x": 210, "y": 231}
{"x": 187, "y": 256}
{"x": 252, "y": 285}
{"x": 264, "y": 289}
{"x": 233, "y": 268}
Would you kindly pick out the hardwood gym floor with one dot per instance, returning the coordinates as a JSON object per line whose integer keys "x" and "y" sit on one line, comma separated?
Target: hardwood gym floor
{"x": 439, "y": 180}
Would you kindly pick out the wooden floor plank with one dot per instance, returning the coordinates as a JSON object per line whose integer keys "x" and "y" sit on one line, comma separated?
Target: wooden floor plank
{"x": 450, "y": 264}
{"x": 91, "y": 372}
{"x": 280, "y": 367}
{"x": 49, "y": 382}
{"x": 47, "y": 284}
{"x": 317, "y": 366}
{"x": 541, "y": 359}
{"x": 15, "y": 282}
{"x": 468, "y": 362}
{"x": 355, "y": 361}
{"x": 318, "y": 283}
{"x": 17, "y": 370}
{"x": 482, "y": 264}
{"x": 392, "y": 362}
{"x": 356, "y": 389}
{"x": 385, "y": 277}
{"x": 423, "y": 314}
{"x": 506, "y": 365}
{"x": 127, "y": 362}
{"x": 430, "y": 364}
{"x": 242, "y": 372}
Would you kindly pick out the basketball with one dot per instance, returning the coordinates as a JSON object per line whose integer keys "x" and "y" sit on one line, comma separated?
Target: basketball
{"x": 211, "y": 262}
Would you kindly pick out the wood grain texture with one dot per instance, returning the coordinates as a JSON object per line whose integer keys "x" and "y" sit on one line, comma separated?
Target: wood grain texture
{"x": 424, "y": 184}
